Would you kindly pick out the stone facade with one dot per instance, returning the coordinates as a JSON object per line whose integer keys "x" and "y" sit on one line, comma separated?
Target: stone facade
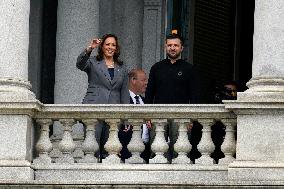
{"x": 25, "y": 144}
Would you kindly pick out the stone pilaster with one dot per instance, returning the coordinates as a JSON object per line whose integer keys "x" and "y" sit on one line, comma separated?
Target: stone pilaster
{"x": 153, "y": 33}
{"x": 17, "y": 102}
{"x": 132, "y": 33}
{"x": 260, "y": 109}
{"x": 267, "y": 83}
{"x": 108, "y": 17}
{"x": 77, "y": 24}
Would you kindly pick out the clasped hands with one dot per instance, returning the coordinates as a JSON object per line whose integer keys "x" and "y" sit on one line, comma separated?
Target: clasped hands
{"x": 129, "y": 127}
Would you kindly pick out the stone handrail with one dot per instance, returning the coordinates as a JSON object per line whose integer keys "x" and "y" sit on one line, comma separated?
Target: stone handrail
{"x": 63, "y": 149}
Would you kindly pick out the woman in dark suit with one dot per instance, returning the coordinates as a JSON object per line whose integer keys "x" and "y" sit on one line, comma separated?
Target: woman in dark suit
{"x": 107, "y": 78}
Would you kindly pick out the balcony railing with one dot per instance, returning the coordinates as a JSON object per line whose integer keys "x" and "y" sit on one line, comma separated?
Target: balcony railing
{"x": 71, "y": 147}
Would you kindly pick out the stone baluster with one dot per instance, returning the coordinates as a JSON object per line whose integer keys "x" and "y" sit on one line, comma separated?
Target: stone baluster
{"x": 113, "y": 146}
{"x": 136, "y": 145}
{"x": 43, "y": 146}
{"x": 206, "y": 145}
{"x": 90, "y": 145}
{"x": 159, "y": 146}
{"x": 182, "y": 146}
{"x": 66, "y": 145}
{"x": 229, "y": 145}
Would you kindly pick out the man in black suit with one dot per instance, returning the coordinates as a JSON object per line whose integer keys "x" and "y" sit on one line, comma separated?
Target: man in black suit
{"x": 137, "y": 84}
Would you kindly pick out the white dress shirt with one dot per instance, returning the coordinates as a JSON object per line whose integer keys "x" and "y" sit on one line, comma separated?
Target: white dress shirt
{"x": 132, "y": 95}
{"x": 145, "y": 131}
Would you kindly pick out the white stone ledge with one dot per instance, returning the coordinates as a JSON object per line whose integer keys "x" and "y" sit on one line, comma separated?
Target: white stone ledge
{"x": 14, "y": 163}
{"x": 126, "y": 111}
{"x": 253, "y": 108}
{"x": 90, "y": 184}
{"x": 257, "y": 164}
{"x": 133, "y": 177}
{"x": 147, "y": 167}
{"x": 256, "y": 171}
{"x": 20, "y": 108}
{"x": 166, "y": 174}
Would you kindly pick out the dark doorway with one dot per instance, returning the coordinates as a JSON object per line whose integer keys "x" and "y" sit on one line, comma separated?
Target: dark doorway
{"x": 42, "y": 48}
{"x": 49, "y": 50}
{"x": 221, "y": 40}
{"x": 179, "y": 13}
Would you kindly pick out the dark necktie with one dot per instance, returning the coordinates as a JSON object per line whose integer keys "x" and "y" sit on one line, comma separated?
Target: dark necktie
{"x": 137, "y": 99}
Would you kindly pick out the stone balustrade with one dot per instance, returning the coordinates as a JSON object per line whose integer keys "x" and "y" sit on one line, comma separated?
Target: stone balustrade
{"x": 67, "y": 146}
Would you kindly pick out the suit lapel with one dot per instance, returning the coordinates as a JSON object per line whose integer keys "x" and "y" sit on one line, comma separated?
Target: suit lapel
{"x": 116, "y": 74}
{"x": 103, "y": 68}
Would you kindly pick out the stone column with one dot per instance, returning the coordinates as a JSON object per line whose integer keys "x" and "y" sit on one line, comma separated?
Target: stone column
{"x": 16, "y": 100}
{"x": 129, "y": 28}
{"x": 267, "y": 81}
{"x": 260, "y": 109}
{"x": 14, "y": 43}
{"x": 77, "y": 24}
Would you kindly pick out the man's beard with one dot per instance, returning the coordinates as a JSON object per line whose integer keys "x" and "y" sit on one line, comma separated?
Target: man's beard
{"x": 174, "y": 57}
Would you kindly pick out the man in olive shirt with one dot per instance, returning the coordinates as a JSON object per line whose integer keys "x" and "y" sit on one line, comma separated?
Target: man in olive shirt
{"x": 172, "y": 81}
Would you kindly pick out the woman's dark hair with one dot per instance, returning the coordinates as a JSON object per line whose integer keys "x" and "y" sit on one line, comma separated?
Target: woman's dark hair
{"x": 100, "y": 54}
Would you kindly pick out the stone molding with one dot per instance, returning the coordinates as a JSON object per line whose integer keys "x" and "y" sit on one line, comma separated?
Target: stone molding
{"x": 20, "y": 108}
{"x": 16, "y": 90}
{"x": 268, "y": 84}
{"x": 123, "y": 111}
{"x": 152, "y": 2}
{"x": 253, "y": 170}
{"x": 254, "y": 108}
{"x": 132, "y": 174}
{"x": 15, "y": 82}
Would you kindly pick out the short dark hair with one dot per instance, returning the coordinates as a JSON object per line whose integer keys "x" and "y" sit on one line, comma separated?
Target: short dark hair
{"x": 100, "y": 56}
{"x": 175, "y": 36}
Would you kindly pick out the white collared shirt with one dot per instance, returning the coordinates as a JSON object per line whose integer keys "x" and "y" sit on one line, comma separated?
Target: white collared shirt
{"x": 132, "y": 95}
{"x": 145, "y": 131}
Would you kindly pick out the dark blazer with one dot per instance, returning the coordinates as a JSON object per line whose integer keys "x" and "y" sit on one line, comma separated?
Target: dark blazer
{"x": 101, "y": 89}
